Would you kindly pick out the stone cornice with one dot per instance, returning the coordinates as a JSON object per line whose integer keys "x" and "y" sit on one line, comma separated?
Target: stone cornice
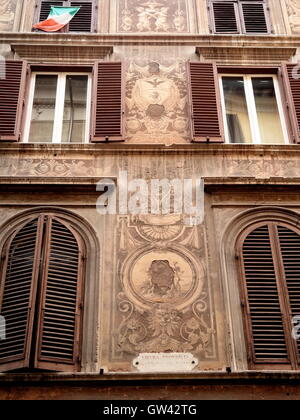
{"x": 240, "y": 41}
{"x": 223, "y": 377}
{"x": 102, "y": 148}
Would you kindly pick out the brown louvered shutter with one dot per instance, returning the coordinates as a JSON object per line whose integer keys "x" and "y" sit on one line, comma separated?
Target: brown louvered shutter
{"x": 61, "y": 299}
{"x": 83, "y": 20}
{"x": 225, "y": 17}
{"x": 19, "y": 268}
{"x": 45, "y": 7}
{"x": 108, "y": 102}
{"x": 254, "y": 17}
{"x": 207, "y": 125}
{"x": 12, "y": 89}
{"x": 291, "y": 75}
{"x": 270, "y": 268}
{"x": 290, "y": 254}
{"x": 266, "y": 335}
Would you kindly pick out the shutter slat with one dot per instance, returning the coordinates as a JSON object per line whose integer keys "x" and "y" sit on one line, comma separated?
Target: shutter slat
{"x": 204, "y": 97}
{"x": 11, "y": 100}
{"x": 108, "y": 104}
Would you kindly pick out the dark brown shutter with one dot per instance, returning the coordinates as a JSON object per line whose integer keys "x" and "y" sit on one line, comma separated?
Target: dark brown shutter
{"x": 225, "y": 17}
{"x": 45, "y": 8}
{"x": 290, "y": 254}
{"x": 205, "y": 100}
{"x": 20, "y": 264}
{"x": 265, "y": 328}
{"x": 254, "y": 17}
{"x": 12, "y": 87}
{"x": 108, "y": 101}
{"x": 291, "y": 75}
{"x": 61, "y": 301}
{"x": 83, "y": 20}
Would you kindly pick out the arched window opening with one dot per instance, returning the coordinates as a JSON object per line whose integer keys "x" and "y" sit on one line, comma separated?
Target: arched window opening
{"x": 41, "y": 296}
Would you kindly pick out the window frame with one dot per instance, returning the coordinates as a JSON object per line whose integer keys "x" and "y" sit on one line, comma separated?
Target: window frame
{"x": 251, "y": 106}
{"x": 239, "y": 15}
{"x": 59, "y": 105}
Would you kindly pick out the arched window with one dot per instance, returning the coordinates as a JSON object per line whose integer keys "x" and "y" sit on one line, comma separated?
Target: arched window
{"x": 269, "y": 260}
{"x": 41, "y": 295}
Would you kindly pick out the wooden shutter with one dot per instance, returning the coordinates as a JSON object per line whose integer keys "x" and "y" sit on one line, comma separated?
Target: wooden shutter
{"x": 266, "y": 335}
{"x": 205, "y": 102}
{"x": 254, "y": 15}
{"x": 290, "y": 254}
{"x": 108, "y": 102}
{"x": 12, "y": 88}
{"x": 291, "y": 76}
{"x": 20, "y": 265}
{"x": 45, "y": 7}
{"x": 225, "y": 17}
{"x": 270, "y": 268}
{"x": 83, "y": 20}
{"x": 61, "y": 300}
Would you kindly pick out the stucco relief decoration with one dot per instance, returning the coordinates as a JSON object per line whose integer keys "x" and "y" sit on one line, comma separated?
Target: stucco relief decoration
{"x": 293, "y": 7}
{"x": 153, "y": 16}
{"x": 163, "y": 298}
{"x": 7, "y": 14}
{"x": 156, "y": 102}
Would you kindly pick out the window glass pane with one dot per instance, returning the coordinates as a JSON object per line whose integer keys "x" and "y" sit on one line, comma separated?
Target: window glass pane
{"x": 43, "y": 109}
{"x": 267, "y": 110}
{"x": 74, "y": 118}
{"x": 236, "y": 110}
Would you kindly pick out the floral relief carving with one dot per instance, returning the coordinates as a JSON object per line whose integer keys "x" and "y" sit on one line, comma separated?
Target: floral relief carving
{"x": 52, "y": 167}
{"x": 293, "y": 7}
{"x": 165, "y": 329}
{"x": 7, "y": 14}
{"x": 156, "y": 103}
{"x": 153, "y": 16}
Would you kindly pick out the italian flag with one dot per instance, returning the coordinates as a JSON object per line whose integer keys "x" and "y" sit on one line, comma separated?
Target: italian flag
{"x": 58, "y": 18}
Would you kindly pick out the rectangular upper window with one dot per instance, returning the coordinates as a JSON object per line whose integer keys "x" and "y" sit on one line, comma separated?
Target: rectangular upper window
{"x": 58, "y": 108}
{"x": 252, "y": 109}
{"x": 240, "y": 104}
{"x": 83, "y": 21}
{"x": 239, "y": 17}
{"x": 62, "y": 103}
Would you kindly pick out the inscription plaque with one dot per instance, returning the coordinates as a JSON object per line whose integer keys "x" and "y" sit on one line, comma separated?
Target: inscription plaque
{"x": 165, "y": 362}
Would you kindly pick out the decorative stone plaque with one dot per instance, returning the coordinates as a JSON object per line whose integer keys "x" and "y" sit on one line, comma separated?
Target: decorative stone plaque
{"x": 165, "y": 362}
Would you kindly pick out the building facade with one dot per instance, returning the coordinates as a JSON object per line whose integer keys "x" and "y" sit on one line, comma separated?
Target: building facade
{"x": 150, "y": 90}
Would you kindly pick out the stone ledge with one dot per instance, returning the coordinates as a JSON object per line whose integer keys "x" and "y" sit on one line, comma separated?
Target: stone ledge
{"x": 201, "y": 148}
{"x": 241, "y": 41}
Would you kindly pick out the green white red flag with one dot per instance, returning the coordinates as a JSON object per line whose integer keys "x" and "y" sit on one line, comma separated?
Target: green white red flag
{"x": 58, "y": 18}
